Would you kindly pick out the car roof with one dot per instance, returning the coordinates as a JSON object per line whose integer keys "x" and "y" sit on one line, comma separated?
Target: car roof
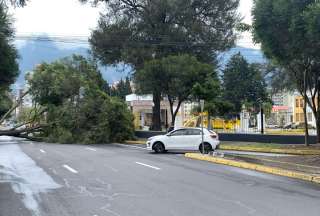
{"x": 197, "y": 128}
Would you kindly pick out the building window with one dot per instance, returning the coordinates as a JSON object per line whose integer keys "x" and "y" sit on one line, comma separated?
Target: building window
{"x": 301, "y": 102}
{"x": 297, "y": 117}
{"x": 301, "y": 117}
{"x": 297, "y": 102}
{"x": 309, "y": 117}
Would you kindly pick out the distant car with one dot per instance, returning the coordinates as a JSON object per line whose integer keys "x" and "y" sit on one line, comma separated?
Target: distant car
{"x": 298, "y": 126}
{"x": 184, "y": 139}
{"x": 272, "y": 126}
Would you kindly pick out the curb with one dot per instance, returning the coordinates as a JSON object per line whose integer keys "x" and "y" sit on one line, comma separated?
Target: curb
{"x": 130, "y": 142}
{"x": 256, "y": 167}
{"x": 279, "y": 151}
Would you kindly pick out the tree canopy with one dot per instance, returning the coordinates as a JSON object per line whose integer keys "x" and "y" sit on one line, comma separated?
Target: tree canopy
{"x": 8, "y": 59}
{"x": 136, "y": 31}
{"x": 78, "y": 109}
{"x": 243, "y": 83}
{"x": 121, "y": 89}
{"x": 288, "y": 31}
{"x": 176, "y": 78}
{"x": 8, "y": 54}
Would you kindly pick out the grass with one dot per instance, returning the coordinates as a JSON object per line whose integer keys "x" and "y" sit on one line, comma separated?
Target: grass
{"x": 269, "y": 145}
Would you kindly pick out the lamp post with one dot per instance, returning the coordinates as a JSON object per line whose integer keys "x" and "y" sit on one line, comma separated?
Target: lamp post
{"x": 202, "y": 108}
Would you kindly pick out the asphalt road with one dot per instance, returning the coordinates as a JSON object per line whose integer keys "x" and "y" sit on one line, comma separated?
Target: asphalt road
{"x": 56, "y": 180}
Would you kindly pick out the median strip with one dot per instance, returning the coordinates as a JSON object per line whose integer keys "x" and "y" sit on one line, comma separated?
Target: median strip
{"x": 270, "y": 150}
{"x": 257, "y": 167}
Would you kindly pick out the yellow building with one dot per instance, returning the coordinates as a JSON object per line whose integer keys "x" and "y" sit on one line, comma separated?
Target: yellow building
{"x": 298, "y": 112}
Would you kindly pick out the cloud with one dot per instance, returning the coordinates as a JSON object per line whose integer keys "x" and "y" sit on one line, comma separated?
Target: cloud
{"x": 56, "y": 17}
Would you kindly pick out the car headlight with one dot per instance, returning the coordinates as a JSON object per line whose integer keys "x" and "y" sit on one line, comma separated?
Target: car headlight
{"x": 151, "y": 138}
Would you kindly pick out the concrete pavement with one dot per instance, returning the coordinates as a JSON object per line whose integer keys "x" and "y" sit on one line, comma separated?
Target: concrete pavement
{"x": 129, "y": 181}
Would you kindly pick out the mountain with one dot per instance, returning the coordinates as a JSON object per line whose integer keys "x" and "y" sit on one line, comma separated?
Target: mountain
{"x": 36, "y": 52}
{"x": 252, "y": 55}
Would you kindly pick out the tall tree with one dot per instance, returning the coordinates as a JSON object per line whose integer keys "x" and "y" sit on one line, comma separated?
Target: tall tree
{"x": 8, "y": 59}
{"x": 121, "y": 89}
{"x": 243, "y": 84}
{"x": 177, "y": 76}
{"x": 288, "y": 31}
{"x": 136, "y": 31}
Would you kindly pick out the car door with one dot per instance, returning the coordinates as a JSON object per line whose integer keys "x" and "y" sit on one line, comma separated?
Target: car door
{"x": 177, "y": 140}
{"x": 193, "y": 139}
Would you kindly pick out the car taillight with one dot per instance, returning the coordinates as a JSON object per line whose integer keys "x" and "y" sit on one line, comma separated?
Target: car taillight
{"x": 213, "y": 136}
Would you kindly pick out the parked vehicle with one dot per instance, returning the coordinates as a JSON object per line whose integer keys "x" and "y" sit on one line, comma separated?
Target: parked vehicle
{"x": 298, "y": 126}
{"x": 184, "y": 139}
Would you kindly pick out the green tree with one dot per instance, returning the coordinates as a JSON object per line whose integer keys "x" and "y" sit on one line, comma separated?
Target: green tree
{"x": 176, "y": 77}
{"x": 288, "y": 31}
{"x": 121, "y": 89}
{"x": 78, "y": 110}
{"x": 243, "y": 83}
{"x": 136, "y": 31}
{"x": 8, "y": 60}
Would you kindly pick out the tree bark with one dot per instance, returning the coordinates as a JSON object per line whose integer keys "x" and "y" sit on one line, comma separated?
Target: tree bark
{"x": 174, "y": 114}
{"x": 318, "y": 129}
{"x": 305, "y": 108}
{"x": 156, "y": 112}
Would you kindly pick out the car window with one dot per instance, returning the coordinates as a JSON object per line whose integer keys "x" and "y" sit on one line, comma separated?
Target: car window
{"x": 191, "y": 132}
{"x": 178, "y": 133}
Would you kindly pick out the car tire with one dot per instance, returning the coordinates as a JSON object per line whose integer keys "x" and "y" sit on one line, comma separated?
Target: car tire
{"x": 159, "y": 148}
{"x": 207, "y": 148}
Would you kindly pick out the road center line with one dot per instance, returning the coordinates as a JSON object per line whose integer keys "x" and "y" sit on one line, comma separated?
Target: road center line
{"x": 70, "y": 169}
{"x": 91, "y": 149}
{"x": 146, "y": 165}
{"x": 42, "y": 151}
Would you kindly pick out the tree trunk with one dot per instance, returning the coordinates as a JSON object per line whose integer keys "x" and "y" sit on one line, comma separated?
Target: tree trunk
{"x": 174, "y": 114}
{"x": 305, "y": 108}
{"x": 318, "y": 130}
{"x": 156, "y": 112}
{"x": 209, "y": 121}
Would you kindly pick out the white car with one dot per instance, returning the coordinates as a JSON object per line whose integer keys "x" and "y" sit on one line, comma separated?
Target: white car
{"x": 184, "y": 139}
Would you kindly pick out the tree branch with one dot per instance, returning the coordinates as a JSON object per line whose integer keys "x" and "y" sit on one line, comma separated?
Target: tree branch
{"x": 19, "y": 101}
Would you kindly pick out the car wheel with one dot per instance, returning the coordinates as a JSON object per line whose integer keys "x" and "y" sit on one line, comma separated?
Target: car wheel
{"x": 159, "y": 148}
{"x": 207, "y": 148}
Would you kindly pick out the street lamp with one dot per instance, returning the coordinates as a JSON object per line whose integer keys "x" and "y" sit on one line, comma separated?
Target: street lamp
{"x": 202, "y": 108}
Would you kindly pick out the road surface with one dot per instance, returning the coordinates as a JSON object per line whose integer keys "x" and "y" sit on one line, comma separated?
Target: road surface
{"x": 39, "y": 179}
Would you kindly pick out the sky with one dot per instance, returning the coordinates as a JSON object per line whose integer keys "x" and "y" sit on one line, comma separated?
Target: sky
{"x": 71, "y": 18}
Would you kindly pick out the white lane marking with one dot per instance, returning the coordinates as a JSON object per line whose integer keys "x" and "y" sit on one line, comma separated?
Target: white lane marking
{"x": 146, "y": 165}
{"x": 110, "y": 167}
{"x": 91, "y": 149}
{"x": 70, "y": 169}
{"x": 133, "y": 146}
{"x": 42, "y": 151}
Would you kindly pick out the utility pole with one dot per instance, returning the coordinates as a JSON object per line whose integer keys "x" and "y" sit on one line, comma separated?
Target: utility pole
{"x": 262, "y": 119}
{"x": 202, "y": 108}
